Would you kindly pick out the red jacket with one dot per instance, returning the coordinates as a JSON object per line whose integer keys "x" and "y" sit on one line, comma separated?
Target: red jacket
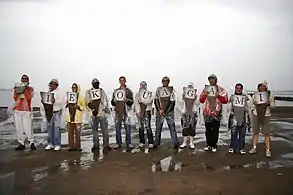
{"x": 222, "y": 98}
{"x": 23, "y": 104}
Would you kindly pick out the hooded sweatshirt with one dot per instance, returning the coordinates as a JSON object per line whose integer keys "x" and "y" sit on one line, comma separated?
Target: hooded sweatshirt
{"x": 271, "y": 100}
{"x": 81, "y": 104}
{"x": 147, "y": 102}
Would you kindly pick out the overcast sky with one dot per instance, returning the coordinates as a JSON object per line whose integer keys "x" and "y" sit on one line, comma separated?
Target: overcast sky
{"x": 75, "y": 40}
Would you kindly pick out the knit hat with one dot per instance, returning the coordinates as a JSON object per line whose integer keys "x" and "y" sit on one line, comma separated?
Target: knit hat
{"x": 95, "y": 80}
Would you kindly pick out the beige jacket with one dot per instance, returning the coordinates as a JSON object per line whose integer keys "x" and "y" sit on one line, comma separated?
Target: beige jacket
{"x": 268, "y": 111}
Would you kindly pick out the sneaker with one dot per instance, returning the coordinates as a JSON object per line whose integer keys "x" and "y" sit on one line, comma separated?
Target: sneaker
{"x": 49, "y": 147}
{"x": 57, "y": 148}
{"x": 20, "y": 147}
{"x": 71, "y": 149}
{"x": 268, "y": 153}
{"x": 141, "y": 145}
{"x": 151, "y": 145}
{"x": 214, "y": 149}
{"x": 116, "y": 147}
{"x": 108, "y": 148}
{"x": 191, "y": 145}
{"x": 242, "y": 152}
{"x": 131, "y": 146}
{"x": 207, "y": 148}
{"x": 252, "y": 151}
{"x": 78, "y": 149}
{"x": 33, "y": 147}
{"x": 231, "y": 150}
{"x": 183, "y": 145}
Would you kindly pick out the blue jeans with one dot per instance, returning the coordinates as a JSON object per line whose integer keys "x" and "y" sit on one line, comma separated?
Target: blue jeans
{"x": 127, "y": 127}
{"x": 238, "y": 138}
{"x": 53, "y": 129}
{"x": 171, "y": 124}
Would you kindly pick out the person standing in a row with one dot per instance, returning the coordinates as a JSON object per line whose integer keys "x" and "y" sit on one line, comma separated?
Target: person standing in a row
{"x": 189, "y": 115}
{"x": 97, "y": 102}
{"x": 238, "y": 119}
{"x": 22, "y": 96}
{"x": 53, "y": 126}
{"x": 122, "y": 100}
{"x": 165, "y": 100}
{"x": 143, "y": 106}
{"x": 213, "y": 96}
{"x": 74, "y": 119}
{"x": 261, "y": 114}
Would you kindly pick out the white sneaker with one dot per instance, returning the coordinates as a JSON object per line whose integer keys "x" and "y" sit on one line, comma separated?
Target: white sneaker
{"x": 183, "y": 145}
{"x": 191, "y": 145}
{"x": 207, "y": 148}
{"x": 231, "y": 150}
{"x": 141, "y": 145}
{"x": 151, "y": 145}
{"x": 214, "y": 149}
{"x": 242, "y": 152}
{"x": 57, "y": 148}
{"x": 268, "y": 153}
{"x": 49, "y": 147}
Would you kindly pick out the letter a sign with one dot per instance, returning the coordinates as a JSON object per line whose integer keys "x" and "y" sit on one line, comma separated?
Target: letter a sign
{"x": 71, "y": 97}
{"x": 47, "y": 97}
{"x": 238, "y": 100}
{"x": 120, "y": 95}
{"x": 262, "y": 97}
{"x": 95, "y": 94}
{"x": 144, "y": 94}
{"x": 211, "y": 89}
{"x": 164, "y": 92}
{"x": 189, "y": 93}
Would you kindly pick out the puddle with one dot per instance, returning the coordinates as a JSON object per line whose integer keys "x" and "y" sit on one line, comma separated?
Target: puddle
{"x": 287, "y": 156}
{"x": 166, "y": 165}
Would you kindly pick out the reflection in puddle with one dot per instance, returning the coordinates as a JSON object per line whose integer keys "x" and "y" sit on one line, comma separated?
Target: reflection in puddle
{"x": 167, "y": 164}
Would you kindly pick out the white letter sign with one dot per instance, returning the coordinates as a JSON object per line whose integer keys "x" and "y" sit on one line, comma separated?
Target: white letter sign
{"x": 120, "y": 95}
{"x": 95, "y": 94}
{"x": 164, "y": 92}
{"x": 71, "y": 97}
{"x": 262, "y": 97}
{"x": 211, "y": 89}
{"x": 144, "y": 94}
{"x": 189, "y": 93}
{"x": 47, "y": 97}
{"x": 239, "y": 100}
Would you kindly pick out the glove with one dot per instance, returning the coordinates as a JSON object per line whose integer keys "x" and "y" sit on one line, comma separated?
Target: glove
{"x": 129, "y": 102}
{"x": 113, "y": 103}
{"x": 90, "y": 105}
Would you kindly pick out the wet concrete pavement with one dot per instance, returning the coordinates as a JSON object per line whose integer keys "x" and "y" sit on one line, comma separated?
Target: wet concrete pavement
{"x": 162, "y": 171}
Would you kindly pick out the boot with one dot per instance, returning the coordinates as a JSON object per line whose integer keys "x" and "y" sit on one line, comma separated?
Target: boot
{"x": 184, "y": 144}
{"x": 191, "y": 144}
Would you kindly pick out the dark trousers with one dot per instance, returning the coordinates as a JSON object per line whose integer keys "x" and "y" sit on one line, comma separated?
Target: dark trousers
{"x": 118, "y": 126}
{"x": 145, "y": 125}
{"x": 238, "y": 138}
{"x": 171, "y": 124}
{"x": 212, "y": 132}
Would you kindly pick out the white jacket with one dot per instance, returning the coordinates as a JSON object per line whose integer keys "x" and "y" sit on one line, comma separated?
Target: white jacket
{"x": 147, "y": 102}
{"x": 59, "y": 100}
{"x": 268, "y": 111}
